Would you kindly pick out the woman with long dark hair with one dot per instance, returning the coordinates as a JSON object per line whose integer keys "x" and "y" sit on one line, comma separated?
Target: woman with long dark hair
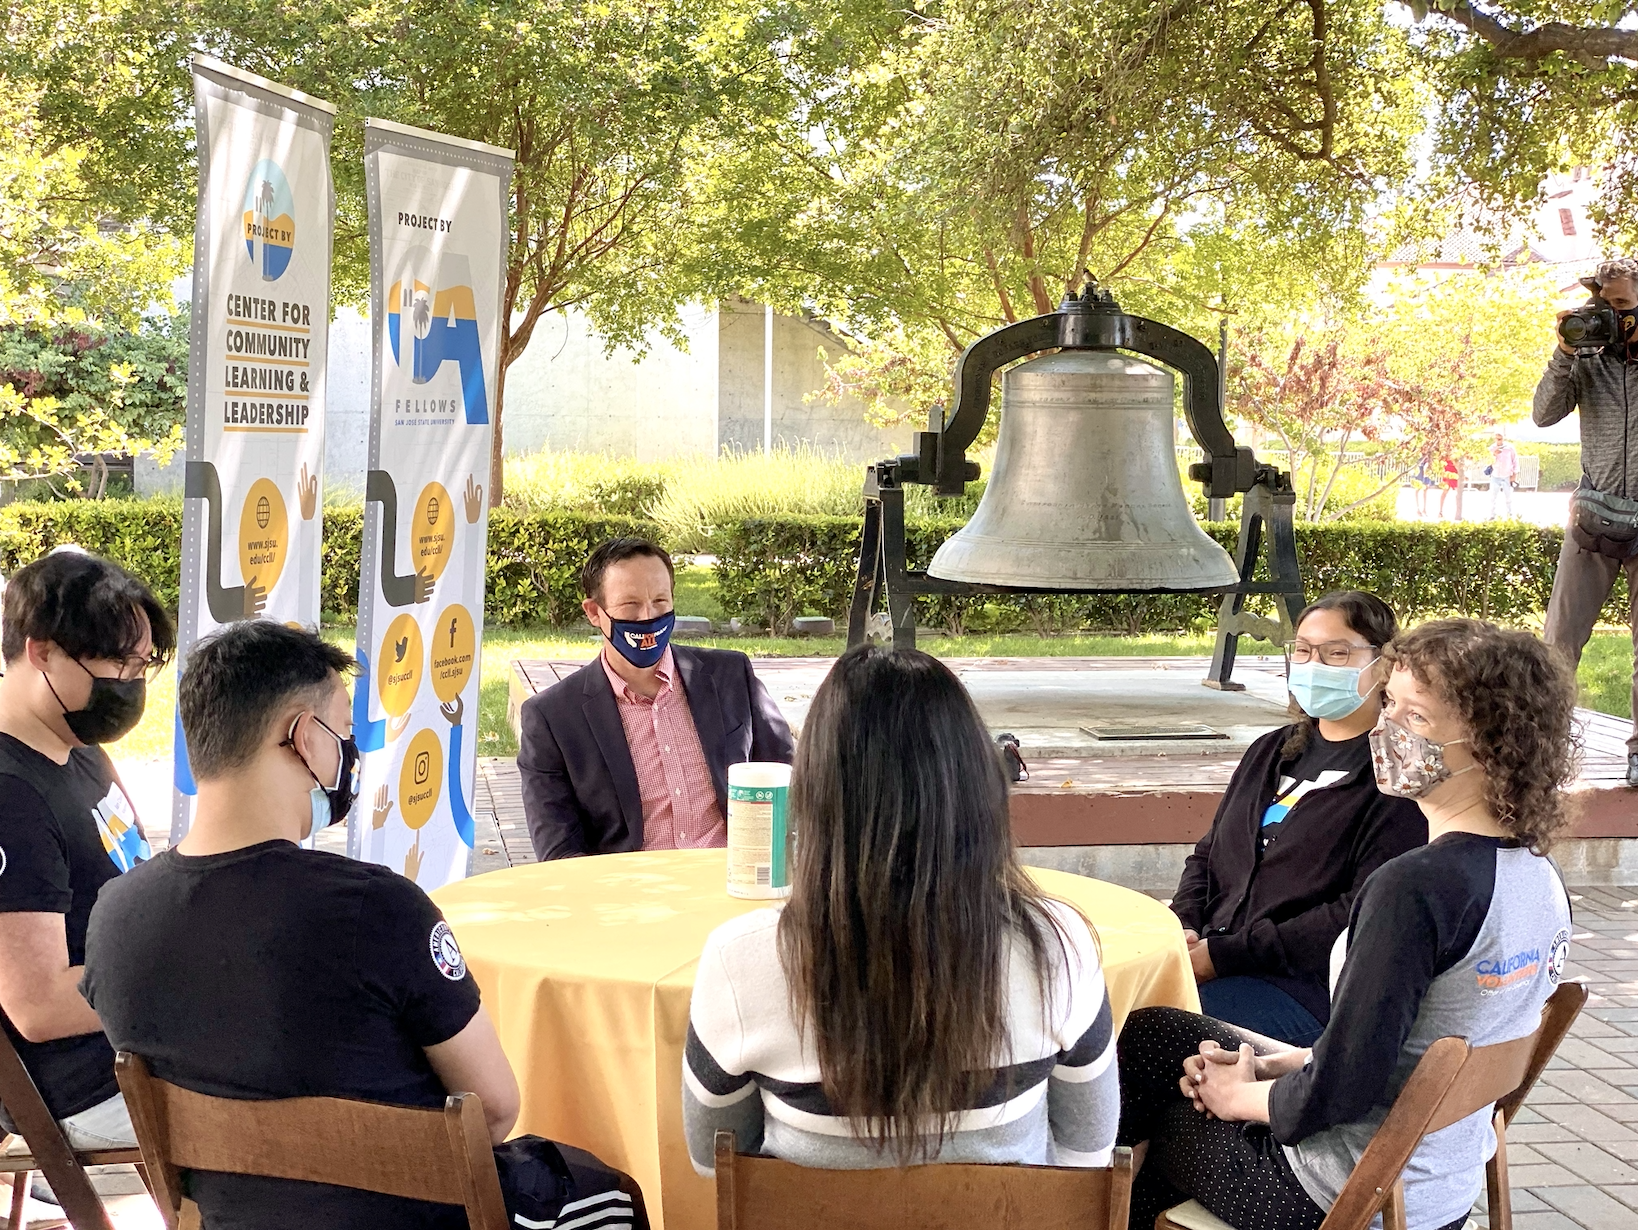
{"x": 1466, "y": 936}
{"x": 1300, "y": 828}
{"x": 918, "y": 998}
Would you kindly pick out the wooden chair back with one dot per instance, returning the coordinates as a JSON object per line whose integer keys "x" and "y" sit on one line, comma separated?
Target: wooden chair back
{"x": 49, "y": 1150}
{"x": 1451, "y": 1082}
{"x": 764, "y": 1193}
{"x": 437, "y": 1155}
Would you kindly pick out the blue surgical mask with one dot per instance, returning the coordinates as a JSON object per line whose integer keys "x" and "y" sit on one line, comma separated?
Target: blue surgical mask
{"x": 642, "y": 642}
{"x": 1321, "y": 691}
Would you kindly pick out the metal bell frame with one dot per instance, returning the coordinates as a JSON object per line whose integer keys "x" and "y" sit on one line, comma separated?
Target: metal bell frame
{"x": 1090, "y": 321}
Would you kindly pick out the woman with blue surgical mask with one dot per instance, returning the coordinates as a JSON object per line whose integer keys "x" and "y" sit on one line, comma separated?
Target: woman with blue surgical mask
{"x": 1301, "y": 825}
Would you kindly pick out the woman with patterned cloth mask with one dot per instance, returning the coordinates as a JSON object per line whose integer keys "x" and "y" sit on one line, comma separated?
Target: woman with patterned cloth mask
{"x": 1301, "y": 825}
{"x": 1465, "y": 936}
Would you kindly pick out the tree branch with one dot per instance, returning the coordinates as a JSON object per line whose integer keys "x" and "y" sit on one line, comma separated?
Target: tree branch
{"x": 1589, "y": 45}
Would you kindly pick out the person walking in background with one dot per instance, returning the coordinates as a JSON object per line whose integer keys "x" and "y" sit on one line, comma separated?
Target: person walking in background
{"x": 1602, "y": 538}
{"x": 918, "y": 999}
{"x": 631, "y": 752}
{"x": 1452, "y": 477}
{"x": 1423, "y": 482}
{"x": 1300, "y": 829}
{"x": 1504, "y": 468}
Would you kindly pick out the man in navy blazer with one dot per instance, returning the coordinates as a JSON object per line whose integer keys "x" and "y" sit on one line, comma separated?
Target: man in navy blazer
{"x": 631, "y": 752}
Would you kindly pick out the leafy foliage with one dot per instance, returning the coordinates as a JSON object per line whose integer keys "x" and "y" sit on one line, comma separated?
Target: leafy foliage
{"x": 83, "y": 387}
{"x": 769, "y": 571}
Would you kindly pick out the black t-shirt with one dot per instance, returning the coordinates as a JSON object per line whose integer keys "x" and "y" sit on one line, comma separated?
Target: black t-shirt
{"x": 277, "y": 972}
{"x": 1320, "y": 764}
{"x": 65, "y": 831}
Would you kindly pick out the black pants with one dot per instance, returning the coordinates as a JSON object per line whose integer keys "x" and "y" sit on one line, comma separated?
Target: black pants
{"x": 1237, "y": 1170}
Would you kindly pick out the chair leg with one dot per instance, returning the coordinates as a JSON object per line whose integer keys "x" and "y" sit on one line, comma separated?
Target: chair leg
{"x": 142, "y": 1173}
{"x": 1498, "y": 1194}
{"x": 20, "y": 1181}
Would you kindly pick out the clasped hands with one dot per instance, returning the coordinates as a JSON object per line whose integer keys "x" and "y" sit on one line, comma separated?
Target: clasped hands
{"x": 1233, "y": 1085}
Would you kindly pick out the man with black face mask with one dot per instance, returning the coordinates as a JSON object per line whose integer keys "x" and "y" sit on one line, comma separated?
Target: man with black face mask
{"x": 80, "y": 637}
{"x": 1602, "y": 538}
{"x": 240, "y": 965}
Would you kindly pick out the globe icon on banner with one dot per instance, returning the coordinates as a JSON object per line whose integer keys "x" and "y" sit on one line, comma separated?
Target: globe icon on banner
{"x": 269, "y": 219}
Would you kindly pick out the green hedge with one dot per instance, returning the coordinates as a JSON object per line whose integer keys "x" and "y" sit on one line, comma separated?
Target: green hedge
{"x": 771, "y": 570}
{"x": 533, "y": 574}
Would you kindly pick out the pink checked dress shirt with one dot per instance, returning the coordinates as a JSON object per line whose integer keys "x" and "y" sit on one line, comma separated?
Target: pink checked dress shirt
{"x": 680, "y": 810}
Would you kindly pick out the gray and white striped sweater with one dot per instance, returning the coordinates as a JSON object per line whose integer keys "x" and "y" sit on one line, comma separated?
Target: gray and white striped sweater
{"x": 750, "y": 1069}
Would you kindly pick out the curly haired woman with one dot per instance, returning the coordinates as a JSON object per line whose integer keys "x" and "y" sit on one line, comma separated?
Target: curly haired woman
{"x": 1467, "y": 935}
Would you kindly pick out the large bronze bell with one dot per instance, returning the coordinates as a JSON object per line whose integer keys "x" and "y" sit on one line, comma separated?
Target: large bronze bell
{"x": 1085, "y": 493}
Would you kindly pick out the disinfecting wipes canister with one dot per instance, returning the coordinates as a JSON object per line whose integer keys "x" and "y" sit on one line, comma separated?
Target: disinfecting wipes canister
{"x": 758, "y": 831}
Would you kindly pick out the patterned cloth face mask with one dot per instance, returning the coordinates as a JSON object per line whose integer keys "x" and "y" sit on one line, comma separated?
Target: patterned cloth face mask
{"x": 1407, "y": 764}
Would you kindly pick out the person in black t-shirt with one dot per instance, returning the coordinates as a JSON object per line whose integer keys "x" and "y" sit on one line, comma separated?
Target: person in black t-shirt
{"x": 1300, "y": 828}
{"x": 240, "y": 965}
{"x": 79, "y": 635}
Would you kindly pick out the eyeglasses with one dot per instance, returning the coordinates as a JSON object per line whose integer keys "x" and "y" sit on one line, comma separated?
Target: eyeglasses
{"x": 138, "y": 666}
{"x": 1332, "y": 653}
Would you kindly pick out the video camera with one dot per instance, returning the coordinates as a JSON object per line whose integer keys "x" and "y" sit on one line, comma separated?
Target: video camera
{"x": 1592, "y": 326}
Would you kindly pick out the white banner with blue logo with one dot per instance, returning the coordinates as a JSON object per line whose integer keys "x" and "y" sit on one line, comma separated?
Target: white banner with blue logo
{"x": 438, "y": 237}
{"x": 252, "y": 522}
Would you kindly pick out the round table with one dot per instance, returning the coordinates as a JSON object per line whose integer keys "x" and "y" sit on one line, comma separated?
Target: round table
{"x": 587, "y": 966}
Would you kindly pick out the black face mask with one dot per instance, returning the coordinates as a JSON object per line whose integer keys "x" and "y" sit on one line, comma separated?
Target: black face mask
{"x": 344, "y": 793}
{"x": 111, "y": 711}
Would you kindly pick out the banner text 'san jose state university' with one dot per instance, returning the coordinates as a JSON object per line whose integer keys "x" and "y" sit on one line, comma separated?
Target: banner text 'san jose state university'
{"x": 438, "y": 236}
{"x": 252, "y": 520}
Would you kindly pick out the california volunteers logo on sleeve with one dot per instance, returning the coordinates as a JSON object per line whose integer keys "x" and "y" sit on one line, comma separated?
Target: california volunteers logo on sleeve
{"x": 1558, "y": 957}
{"x": 446, "y": 953}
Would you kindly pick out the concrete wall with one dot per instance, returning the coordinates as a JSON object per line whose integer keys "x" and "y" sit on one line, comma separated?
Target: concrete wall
{"x": 797, "y": 372}
{"x": 568, "y": 393}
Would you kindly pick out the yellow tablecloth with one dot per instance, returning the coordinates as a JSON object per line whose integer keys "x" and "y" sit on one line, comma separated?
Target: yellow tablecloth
{"x": 587, "y": 965}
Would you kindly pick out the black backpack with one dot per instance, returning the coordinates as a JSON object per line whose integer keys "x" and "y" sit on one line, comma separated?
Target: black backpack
{"x": 547, "y": 1184}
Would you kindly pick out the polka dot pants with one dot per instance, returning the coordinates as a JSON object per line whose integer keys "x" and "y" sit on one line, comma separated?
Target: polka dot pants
{"x": 1237, "y": 1170}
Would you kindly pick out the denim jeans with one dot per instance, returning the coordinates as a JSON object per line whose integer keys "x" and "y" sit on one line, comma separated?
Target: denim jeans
{"x": 107, "y": 1125}
{"x": 1260, "y": 1007}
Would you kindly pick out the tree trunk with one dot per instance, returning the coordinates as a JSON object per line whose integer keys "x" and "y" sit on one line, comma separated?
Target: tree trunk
{"x": 497, "y": 447}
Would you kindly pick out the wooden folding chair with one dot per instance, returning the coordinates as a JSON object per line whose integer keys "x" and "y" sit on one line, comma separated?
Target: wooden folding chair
{"x": 764, "y": 1193}
{"x": 49, "y": 1151}
{"x": 438, "y": 1155}
{"x": 1451, "y": 1081}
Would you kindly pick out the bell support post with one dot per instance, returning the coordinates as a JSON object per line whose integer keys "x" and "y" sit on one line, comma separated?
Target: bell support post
{"x": 1091, "y": 321}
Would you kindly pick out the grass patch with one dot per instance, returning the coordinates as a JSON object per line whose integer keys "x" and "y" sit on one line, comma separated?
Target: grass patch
{"x": 1606, "y": 673}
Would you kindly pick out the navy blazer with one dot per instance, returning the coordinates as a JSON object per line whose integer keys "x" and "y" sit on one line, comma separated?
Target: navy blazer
{"x": 580, "y": 791}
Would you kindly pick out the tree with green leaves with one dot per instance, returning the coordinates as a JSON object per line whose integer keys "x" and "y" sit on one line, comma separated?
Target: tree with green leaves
{"x": 981, "y": 158}
{"x": 1351, "y": 403}
{"x": 610, "y": 108}
{"x": 82, "y": 370}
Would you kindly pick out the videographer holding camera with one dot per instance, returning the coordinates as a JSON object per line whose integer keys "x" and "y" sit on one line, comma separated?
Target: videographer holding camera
{"x": 1595, "y": 370}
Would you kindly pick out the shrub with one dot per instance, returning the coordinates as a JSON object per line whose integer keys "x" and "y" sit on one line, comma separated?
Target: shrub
{"x": 1560, "y": 465}
{"x": 533, "y": 573}
{"x": 770, "y": 570}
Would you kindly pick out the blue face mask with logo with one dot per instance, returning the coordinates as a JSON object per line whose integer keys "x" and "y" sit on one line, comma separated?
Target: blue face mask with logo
{"x": 1321, "y": 691}
{"x": 642, "y": 642}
